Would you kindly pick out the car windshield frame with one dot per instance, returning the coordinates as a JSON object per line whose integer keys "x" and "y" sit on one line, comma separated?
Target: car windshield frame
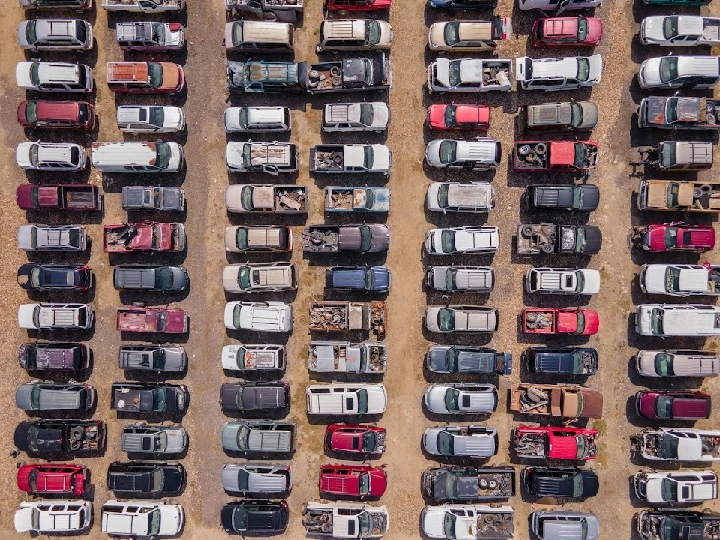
{"x": 663, "y": 407}
{"x": 163, "y": 278}
{"x": 451, "y": 33}
{"x": 447, "y": 240}
{"x": 582, "y": 31}
{"x": 669, "y": 489}
{"x": 447, "y": 151}
{"x": 372, "y": 32}
{"x": 369, "y": 441}
{"x": 446, "y": 319}
{"x": 31, "y": 112}
{"x": 452, "y": 399}
{"x": 449, "y": 525}
{"x": 362, "y": 401}
{"x": 163, "y": 153}
{"x": 445, "y": 443}
{"x": 669, "y": 447}
{"x": 155, "y": 74}
{"x": 668, "y": 69}
{"x": 443, "y": 195}
{"x": 367, "y": 113}
{"x": 454, "y": 76}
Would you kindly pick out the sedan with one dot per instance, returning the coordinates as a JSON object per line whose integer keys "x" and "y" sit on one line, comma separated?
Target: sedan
{"x": 461, "y": 398}
{"x": 566, "y": 31}
{"x": 44, "y": 277}
{"x": 459, "y": 116}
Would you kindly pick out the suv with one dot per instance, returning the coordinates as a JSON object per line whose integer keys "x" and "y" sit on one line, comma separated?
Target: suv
{"x": 143, "y": 438}
{"x": 261, "y": 36}
{"x": 45, "y": 277}
{"x": 461, "y": 398}
{"x": 557, "y": 482}
{"x": 259, "y": 316}
{"x": 697, "y": 72}
{"x": 55, "y": 316}
{"x": 462, "y": 240}
{"x": 142, "y": 518}
{"x": 45, "y": 114}
{"x": 157, "y": 358}
{"x": 256, "y": 119}
{"x": 150, "y": 119}
{"x": 243, "y": 239}
{"x": 358, "y": 278}
{"x": 147, "y": 35}
{"x": 565, "y": 116}
{"x": 552, "y": 74}
{"x": 563, "y": 360}
{"x": 53, "y": 516}
{"x": 677, "y": 363}
{"x": 55, "y": 35}
{"x": 255, "y": 398}
{"x": 554, "y": 524}
{"x": 145, "y": 478}
{"x": 475, "y": 197}
{"x": 52, "y": 238}
{"x": 480, "y": 154}
{"x": 673, "y": 405}
{"x": 45, "y": 156}
{"x": 138, "y": 157}
{"x": 257, "y": 478}
{"x": 342, "y": 117}
{"x": 54, "y": 77}
{"x": 54, "y": 356}
{"x": 476, "y": 441}
{"x": 259, "y": 277}
{"x": 468, "y": 36}
{"x": 53, "y": 479}
{"x": 145, "y": 77}
{"x": 690, "y": 320}
{"x": 445, "y": 319}
{"x": 43, "y": 397}
{"x": 258, "y": 437}
{"x": 256, "y": 517}
{"x": 346, "y": 399}
{"x": 573, "y": 197}
{"x": 354, "y": 35}
{"x": 546, "y": 280}
{"x": 151, "y": 278}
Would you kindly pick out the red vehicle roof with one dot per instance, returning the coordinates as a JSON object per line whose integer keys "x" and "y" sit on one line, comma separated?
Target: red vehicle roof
{"x": 347, "y": 437}
{"x": 52, "y": 478}
{"x": 684, "y": 404}
{"x": 345, "y": 480}
{"x": 561, "y": 440}
{"x": 564, "y": 31}
{"x": 467, "y": 115}
{"x": 562, "y": 153}
{"x": 358, "y": 5}
{"x": 687, "y": 236}
{"x": 560, "y": 27}
{"x": 58, "y": 110}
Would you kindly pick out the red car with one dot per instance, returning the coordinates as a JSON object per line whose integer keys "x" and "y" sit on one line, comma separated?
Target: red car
{"x": 70, "y": 197}
{"x": 355, "y": 439}
{"x": 47, "y": 114}
{"x": 673, "y": 405}
{"x": 358, "y": 5}
{"x": 661, "y": 237}
{"x": 57, "y": 478}
{"x": 352, "y": 480}
{"x": 567, "y": 31}
{"x": 459, "y": 116}
{"x": 550, "y": 442}
{"x": 579, "y": 321}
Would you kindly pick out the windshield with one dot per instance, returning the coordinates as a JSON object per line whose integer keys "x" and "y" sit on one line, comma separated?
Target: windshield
{"x": 162, "y": 160}
{"x": 576, "y": 115}
{"x": 369, "y": 280}
{"x": 243, "y": 479}
{"x": 368, "y": 442}
{"x": 34, "y": 154}
{"x": 448, "y": 151}
{"x": 240, "y": 518}
{"x": 236, "y": 315}
{"x": 668, "y": 68}
{"x": 364, "y": 524}
{"x": 157, "y": 116}
{"x": 580, "y": 443}
{"x": 452, "y": 33}
{"x": 241, "y": 238}
{"x": 454, "y": 73}
{"x": 442, "y": 195}
{"x": 35, "y": 274}
{"x": 369, "y": 156}
{"x": 364, "y": 484}
{"x": 583, "y": 69}
{"x": 242, "y": 438}
{"x": 244, "y": 278}
{"x": 372, "y": 32}
{"x": 362, "y": 401}
{"x": 246, "y": 196}
{"x": 30, "y": 33}
{"x": 450, "y": 115}
{"x": 159, "y": 33}
{"x": 580, "y": 277}
{"x": 367, "y": 114}
{"x": 668, "y": 447}
{"x": 672, "y": 279}
{"x": 448, "y": 241}
{"x": 35, "y": 73}
{"x": 32, "y": 479}
{"x": 673, "y": 191}
{"x": 156, "y": 237}
{"x": 670, "y": 27}
{"x": 35, "y": 519}
{"x": 451, "y": 399}
{"x": 445, "y": 443}
{"x": 656, "y": 320}
{"x": 582, "y": 29}
{"x": 154, "y": 521}
{"x": 663, "y": 407}
{"x": 669, "y": 490}
{"x": 365, "y": 238}
{"x": 580, "y": 155}
{"x": 160, "y": 441}
{"x": 578, "y": 486}
{"x": 155, "y": 74}
{"x": 671, "y": 111}
{"x": 446, "y": 320}
{"x": 163, "y": 278}
{"x": 449, "y": 525}
{"x": 450, "y": 279}
{"x": 31, "y": 112}
{"x": 369, "y": 198}
{"x": 667, "y": 154}
{"x": 159, "y": 400}
{"x": 671, "y": 234}
{"x": 451, "y": 358}
{"x": 580, "y": 322}
{"x": 35, "y": 398}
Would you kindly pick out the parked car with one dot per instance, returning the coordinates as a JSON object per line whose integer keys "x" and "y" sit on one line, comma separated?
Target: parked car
{"x": 55, "y": 35}
{"x": 676, "y": 112}
{"x": 52, "y": 479}
{"x": 557, "y": 482}
{"x": 46, "y": 156}
{"x": 354, "y": 35}
{"x": 345, "y": 117}
{"x": 360, "y": 439}
{"x": 564, "y": 360}
{"x": 553, "y": 74}
{"x": 462, "y": 240}
{"x": 141, "y": 518}
{"x": 468, "y": 36}
{"x": 674, "y": 236}
{"x": 348, "y": 399}
{"x": 55, "y": 316}
{"x": 144, "y": 438}
{"x": 475, "y": 441}
{"x": 458, "y": 116}
{"x": 47, "y": 114}
{"x": 350, "y": 480}
{"x": 59, "y": 197}
{"x": 554, "y": 524}
{"x": 54, "y": 356}
{"x": 145, "y": 77}
{"x": 256, "y": 437}
{"x": 468, "y": 520}
{"x": 651, "y": 522}
{"x": 255, "y": 398}
{"x": 677, "y": 320}
{"x": 150, "y": 278}
{"x": 254, "y": 358}
{"x": 470, "y": 75}
{"x": 54, "y": 77}
{"x": 259, "y": 316}
{"x": 545, "y": 280}
{"x": 460, "y": 278}
{"x": 153, "y": 198}
{"x": 52, "y": 238}
{"x": 461, "y": 398}
{"x": 249, "y": 36}
{"x": 256, "y": 119}
{"x": 345, "y": 6}
{"x": 150, "y": 119}
{"x": 145, "y": 478}
{"x": 158, "y": 358}
{"x": 40, "y": 397}
{"x": 564, "y": 116}
{"x": 572, "y": 197}
{"x": 56, "y": 4}
{"x": 53, "y": 517}
{"x": 150, "y": 36}
{"x": 259, "y": 277}
{"x": 375, "y": 279}
{"x": 673, "y": 404}
{"x": 696, "y": 72}
{"x": 143, "y": 398}
{"x": 138, "y": 157}
{"x": 681, "y": 280}
{"x": 476, "y": 197}
{"x": 677, "y": 363}
{"x": 481, "y": 154}
{"x": 273, "y": 238}
{"x": 257, "y": 479}
{"x": 48, "y": 277}
{"x": 550, "y": 5}
{"x": 448, "y": 319}
{"x": 566, "y": 32}
{"x": 467, "y": 359}
{"x": 676, "y": 487}
{"x": 680, "y": 30}
{"x": 256, "y": 517}
{"x": 468, "y": 483}
{"x": 463, "y": 4}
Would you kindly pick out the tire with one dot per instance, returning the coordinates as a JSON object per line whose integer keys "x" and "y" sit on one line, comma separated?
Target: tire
{"x": 527, "y": 230}
{"x": 547, "y": 248}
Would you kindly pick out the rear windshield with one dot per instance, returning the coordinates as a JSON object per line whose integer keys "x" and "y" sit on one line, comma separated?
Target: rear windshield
{"x": 31, "y": 112}
{"x": 81, "y": 31}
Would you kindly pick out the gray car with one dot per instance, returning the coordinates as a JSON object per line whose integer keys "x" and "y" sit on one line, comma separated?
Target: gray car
{"x": 159, "y": 358}
{"x": 50, "y": 396}
{"x": 476, "y": 441}
{"x": 153, "y": 198}
{"x": 255, "y": 397}
{"x": 461, "y": 398}
{"x": 151, "y": 278}
{"x": 144, "y": 438}
{"x": 258, "y": 437}
{"x": 257, "y": 478}
{"x": 562, "y": 524}
{"x": 55, "y": 35}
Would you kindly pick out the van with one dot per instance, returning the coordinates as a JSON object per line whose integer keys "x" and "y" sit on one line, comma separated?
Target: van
{"x": 54, "y": 77}
{"x": 354, "y": 35}
{"x": 256, "y": 119}
{"x": 138, "y": 157}
{"x": 258, "y": 36}
{"x": 677, "y": 363}
{"x": 677, "y": 320}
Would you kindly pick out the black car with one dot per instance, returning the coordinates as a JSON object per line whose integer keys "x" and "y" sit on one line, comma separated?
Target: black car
{"x": 146, "y": 478}
{"x": 43, "y": 277}
{"x": 466, "y": 359}
{"x": 563, "y": 360}
{"x": 255, "y": 516}
{"x": 151, "y": 278}
{"x": 575, "y": 197}
{"x": 251, "y": 397}
{"x": 570, "y": 483}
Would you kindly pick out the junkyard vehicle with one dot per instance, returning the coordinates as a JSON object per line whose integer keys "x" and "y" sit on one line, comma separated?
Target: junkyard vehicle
{"x": 571, "y": 197}
{"x": 145, "y": 478}
{"x": 350, "y": 480}
{"x": 469, "y": 75}
{"x": 554, "y": 156}
{"x": 267, "y": 198}
{"x": 350, "y": 75}
{"x": 350, "y": 158}
{"x": 546, "y": 280}
{"x": 676, "y": 2}
{"x": 467, "y": 359}
{"x": 564, "y": 116}
{"x": 143, "y": 236}
{"x": 461, "y": 240}
{"x": 40, "y": 397}
{"x": 458, "y": 116}
{"x": 676, "y": 524}
{"x": 152, "y": 320}
{"x": 559, "y": 6}
{"x": 269, "y": 10}
{"x": 257, "y": 437}
{"x": 345, "y": 519}
{"x": 564, "y": 360}
{"x": 144, "y": 438}
{"x": 158, "y": 358}
{"x": 566, "y": 32}
{"x": 243, "y": 239}
{"x": 53, "y": 516}
{"x": 463, "y": 4}
{"x": 680, "y": 30}
{"x": 344, "y": 357}
{"x": 547, "y": 238}
{"x": 145, "y": 77}
{"x": 255, "y": 517}
{"x": 481, "y": 154}
{"x": 366, "y": 238}
{"x": 677, "y": 363}
{"x": 697, "y": 72}
{"x": 256, "y": 119}
{"x": 150, "y": 36}
{"x": 145, "y": 6}
{"x": 469, "y": 521}
{"x": 258, "y": 36}
{"x": 683, "y": 196}
{"x": 54, "y": 77}
{"x": 348, "y": 399}
{"x": 261, "y": 157}
{"x": 678, "y": 444}
{"x": 677, "y": 320}
{"x": 553, "y": 74}
{"x": 55, "y": 35}
{"x": 345, "y": 6}
{"x": 142, "y": 518}
{"x": 138, "y": 157}
{"x": 468, "y": 484}
{"x": 561, "y": 400}
{"x": 343, "y": 117}
{"x": 56, "y": 4}
{"x": 66, "y": 437}
{"x": 476, "y": 197}
{"x": 259, "y": 277}
{"x": 148, "y": 398}
{"x": 151, "y": 278}
{"x": 260, "y": 76}
{"x": 460, "y": 278}
{"x": 554, "y": 524}
{"x": 259, "y": 316}
{"x": 45, "y": 277}
{"x": 60, "y": 197}
{"x": 458, "y": 318}
{"x": 354, "y": 35}
{"x": 549, "y": 442}
{"x": 54, "y": 356}
{"x": 46, "y": 156}
{"x": 566, "y": 483}
{"x": 681, "y": 280}
{"x": 356, "y": 199}
{"x": 678, "y": 156}
{"x": 47, "y": 114}
{"x": 52, "y": 478}
{"x": 358, "y": 278}
{"x": 578, "y": 321}
{"x": 674, "y": 236}
{"x": 55, "y": 316}
{"x": 252, "y": 358}
{"x": 661, "y": 488}
{"x": 673, "y": 405}
{"x": 474, "y": 441}
{"x": 365, "y": 440}
{"x": 255, "y": 398}
{"x": 150, "y": 119}
{"x": 461, "y": 398}
{"x": 257, "y": 479}
{"x": 468, "y": 36}
{"x": 679, "y": 112}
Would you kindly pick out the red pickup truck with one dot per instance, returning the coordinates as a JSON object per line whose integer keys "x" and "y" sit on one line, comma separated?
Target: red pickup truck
{"x": 554, "y": 156}
{"x": 676, "y": 236}
{"x": 71, "y": 197}
{"x": 548, "y": 442}
{"x": 358, "y": 5}
{"x": 155, "y": 320}
{"x": 578, "y": 321}
{"x": 52, "y": 478}
{"x": 352, "y": 480}
{"x": 145, "y": 236}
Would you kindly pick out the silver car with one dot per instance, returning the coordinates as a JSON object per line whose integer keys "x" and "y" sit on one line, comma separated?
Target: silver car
{"x": 150, "y": 119}
{"x": 143, "y": 438}
{"x": 159, "y": 358}
{"x": 247, "y": 479}
{"x": 461, "y": 398}
{"x": 50, "y": 396}
{"x": 55, "y": 35}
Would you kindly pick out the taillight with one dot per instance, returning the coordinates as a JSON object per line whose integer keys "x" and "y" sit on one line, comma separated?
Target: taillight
{"x": 174, "y": 27}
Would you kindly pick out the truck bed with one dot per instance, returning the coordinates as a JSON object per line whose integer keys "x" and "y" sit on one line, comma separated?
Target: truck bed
{"x": 81, "y": 198}
{"x": 128, "y": 399}
{"x": 495, "y": 525}
{"x": 343, "y": 316}
{"x": 327, "y": 158}
{"x": 533, "y": 239}
{"x": 135, "y": 320}
{"x": 539, "y": 321}
{"x": 531, "y": 155}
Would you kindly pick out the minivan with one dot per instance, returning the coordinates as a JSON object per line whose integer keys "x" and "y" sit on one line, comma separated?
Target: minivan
{"x": 138, "y": 157}
{"x": 259, "y": 36}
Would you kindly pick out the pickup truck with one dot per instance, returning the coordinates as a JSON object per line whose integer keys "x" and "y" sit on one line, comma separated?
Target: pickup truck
{"x": 548, "y": 238}
{"x": 677, "y": 525}
{"x": 152, "y": 320}
{"x": 260, "y": 76}
{"x": 681, "y": 279}
{"x": 350, "y": 75}
{"x": 271, "y": 10}
{"x": 148, "y": 198}
{"x": 331, "y": 316}
{"x": 267, "y": 198}
{"x": 257, "y": 437}
{"x": 475, "y": 197}
{"x": 261, "y": 157}
{"x": 251, "y": 358}
{"x": 468, "y": 521}
{"x": 52, "y": 437}
{"x": 370, "y": 238}
{"x": 678, "y": 196}
{"x": 468, "y": 484}
{"x": 144, "y": 6}
{"x": 54, "y": 356}
{"x": 148, "y": 398}
{"x": 340, "y": 199}
{"x": 676, "y": 112}
{"x": 69, "y": 197}
{"x": 350, "y": 158}
{"x": 469, "y": 75}
{"x": 144, "y": 236}
{"x": 677, "y": 156}
{"x": 674, "y": 236}
{"x": 554, "y": 156}
{"x": 345, "y": 357}
{"x": 558, "y": 400}
{"x": 549, "y": 442}
{"x": 562, "y": 361}
{"x": 467, "y": 359}
{"x": 680, "y": 30}
{"x": 675, "y": 487}
{"x": 344, "y": 519}
{"x": 678, "y": 444}
{"x": 550, "y": 321}
{"x": 564, "y": 116}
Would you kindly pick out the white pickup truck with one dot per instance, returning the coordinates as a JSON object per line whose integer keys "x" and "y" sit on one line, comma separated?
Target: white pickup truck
{"x": 345, "y": 519}
{"x": 346, "y": 399}
{"x": 143, "y": 6}
{"x": 679, "y": 444}
{"x": 680, "y": 30}
{"x": 680, "y": 279}
{"x": 346, "y": 357}
{"x": 676, "y": 487}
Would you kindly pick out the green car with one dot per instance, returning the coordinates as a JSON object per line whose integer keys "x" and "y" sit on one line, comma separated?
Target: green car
{"x": 677, "y": 2}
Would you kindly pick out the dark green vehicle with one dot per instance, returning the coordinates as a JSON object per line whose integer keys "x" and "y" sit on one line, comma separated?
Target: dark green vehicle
{"x": 676, "y": 2}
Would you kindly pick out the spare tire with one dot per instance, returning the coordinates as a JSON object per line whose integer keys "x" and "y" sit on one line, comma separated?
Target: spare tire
{"x": 527, "y": 230}
{"x": 540, "y": 148}
{"x": 77, "y": 433}
{"x": 524, "y": 149}
{"x": 547, "y": 248}
{"x": 75, "y": 445}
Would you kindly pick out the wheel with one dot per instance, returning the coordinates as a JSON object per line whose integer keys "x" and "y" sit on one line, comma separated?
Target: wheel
{"x": 527, "y": 230}
{"x": 547, "y": 248}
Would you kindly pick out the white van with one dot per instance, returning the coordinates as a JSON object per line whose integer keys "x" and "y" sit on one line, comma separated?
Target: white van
{"x": 258, "y": 36}
{"x": 142, "y": 518}
{"x": 138, "y": 157}
{"x": 677, "y": 363}
{"x": 677, "y": 320}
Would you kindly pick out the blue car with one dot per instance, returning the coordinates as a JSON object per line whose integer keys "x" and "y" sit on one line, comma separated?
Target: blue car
{"x": 358, "y": 278}
{"x": 463, "y": 4}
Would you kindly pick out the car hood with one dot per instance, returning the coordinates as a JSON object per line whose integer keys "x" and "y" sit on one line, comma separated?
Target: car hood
{"x": 595, "y": 68}
{"x": 654, "y": 278}
{"x": 23, "y": 520}
{"x": 22, "y": 154}
{"x": 228, "y": 435}
{"x": 173, "y": 117}
{"x": 382, "y": 158}
{"x": 432, "y": 152}
{"x": 22, "y": 75}
{"x": 442, "y": 72}
{"x": 592, "y": 281}
{"x": 433, "y": 522}
{"x": 171, "y": 518}
{"x": 653, "y": 488}
{"x": 380, "y": 235}
{"x": 25, "y": 316}
{"x": 176, "y": 440}
{"x": 437, "y": 359}
{"x": 435, "y": 399}
{"x": 430, "y": 440}
{"x": 649, "y": 74}
{"x": 652, "y": 28}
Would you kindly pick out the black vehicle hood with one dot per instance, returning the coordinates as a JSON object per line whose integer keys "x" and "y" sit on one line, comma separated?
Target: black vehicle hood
{"x": 590, "y": 197}
{"x": 437, "y": 360}
{"x": 593, "y": 240}
{"x": 591, "y": 483}
{"x": 20, "y": 437}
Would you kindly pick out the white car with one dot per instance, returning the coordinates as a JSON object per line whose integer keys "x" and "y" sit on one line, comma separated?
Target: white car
{"x": 459, "y": 521}
{"x": 677, "y": 363}
{"x": 54, "y": 77}
{"x": 476, "y": 441}
{"x": 679, "y": 72}
{"x": 676, "y": 486}
{"x": 346, "y": 399}
{"x": 680, "y": 30}
{"x": 558, "y": 5}
{"x": 544, "y": 280}
{"x": 459, "y": 240}
{"x": 480, "y": 154}
{"x": 476, "y": 197}
{"x": 259, "y": 277}
{"x": 53, "y": 516}
{"x": 468, "y": 36}
{"x": 461, "y": 398}
{"x": 150, "y": 119}
{"x": 45, "y": 156}
{"x": 142, "y": 518}
{"x": 553, "y": 74}
{"x": 470, "y": 75}
{"x": 259, "y": 316}
{"x": 340, "y": 117}
{"x": 680, "y": 279}
{"x": 445, "y": 319}
{"x": 692, "y": 320}
{"x": 55, "y": 316}
{"x": 460, "y": 278}
{"x": 256, "y": 119}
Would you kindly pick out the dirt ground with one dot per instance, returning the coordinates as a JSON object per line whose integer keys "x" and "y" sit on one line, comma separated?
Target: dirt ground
{"x": 205, "y": 183}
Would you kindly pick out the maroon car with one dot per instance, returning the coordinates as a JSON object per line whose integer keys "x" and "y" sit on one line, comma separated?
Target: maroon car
{"x": 661, "y": 237}
{"x": 673, "y": 405}
{"x": 152, "y": 319}
{"x": 358, "y": 5}
{"x": 352, "y": 480}
{"x": 66, "y": 197}
{"x": 566, "y": 32}
{"x": 355, "y": 439}
{"x": 46, "y": 114}
{"x": 52, "y": 478}
{"x": 459, "y": 116}
{"x": 54, "y": 356}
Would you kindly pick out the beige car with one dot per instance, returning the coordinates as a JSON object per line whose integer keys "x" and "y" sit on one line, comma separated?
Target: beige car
{"x": 468, "y": 36}
{"x": 243, "y": 239}
{"x": 354, "y": 35}
{"x": 259, "y": 277}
